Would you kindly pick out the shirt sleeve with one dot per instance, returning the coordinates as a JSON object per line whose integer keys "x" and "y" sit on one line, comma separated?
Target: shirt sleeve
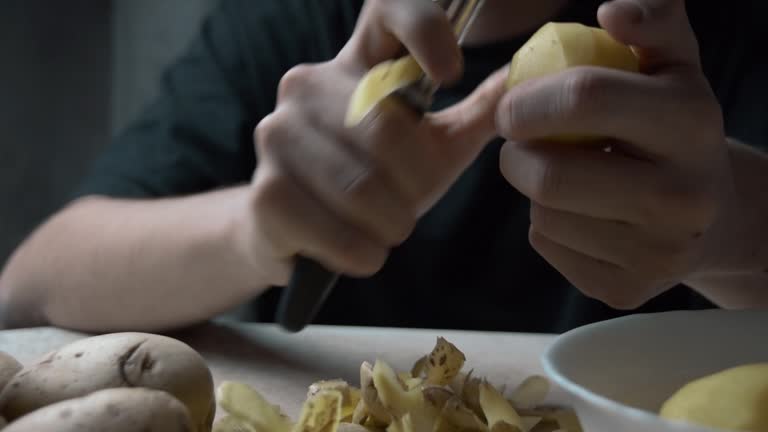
{"x": 197, "y": 133}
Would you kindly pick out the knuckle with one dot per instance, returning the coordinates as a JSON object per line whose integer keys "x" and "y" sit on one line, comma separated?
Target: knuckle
{"x": 269, "y": 133}
{"x": 267, "y": 191}
{"x": 581, "y": 88}
{"x": 295, "y": 81}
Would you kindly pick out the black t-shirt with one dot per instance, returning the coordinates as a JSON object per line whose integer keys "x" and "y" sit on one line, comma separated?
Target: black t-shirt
{"x": 468, "y": 265}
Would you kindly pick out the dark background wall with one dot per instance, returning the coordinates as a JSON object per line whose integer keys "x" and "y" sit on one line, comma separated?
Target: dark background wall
{"x": 71, "y": 73}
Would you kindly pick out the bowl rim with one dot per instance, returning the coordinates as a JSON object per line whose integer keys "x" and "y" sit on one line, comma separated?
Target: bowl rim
{"x": 603, "y": 402}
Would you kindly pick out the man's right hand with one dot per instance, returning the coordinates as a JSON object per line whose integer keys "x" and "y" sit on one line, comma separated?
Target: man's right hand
{"x": 346, "y": 196}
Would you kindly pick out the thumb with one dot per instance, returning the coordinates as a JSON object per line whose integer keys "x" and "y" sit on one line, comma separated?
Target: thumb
{"x": 658, "y": 29}
{"x": 464, "y": 129}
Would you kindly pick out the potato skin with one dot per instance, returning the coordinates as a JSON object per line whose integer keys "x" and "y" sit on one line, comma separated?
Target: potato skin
{"x": 114, "y": 410}
{"x": 113, "y": 361}
{"x": 9, "y": 367}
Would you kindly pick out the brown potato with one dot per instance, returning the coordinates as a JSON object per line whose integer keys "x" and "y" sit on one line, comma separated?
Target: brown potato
{"x": 9, "y": 366}
{"x": 114, "y": 410}
{"x": 112, "y": 361}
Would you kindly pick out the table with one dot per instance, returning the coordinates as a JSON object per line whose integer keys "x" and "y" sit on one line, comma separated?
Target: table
{"x": 281, "y": 365}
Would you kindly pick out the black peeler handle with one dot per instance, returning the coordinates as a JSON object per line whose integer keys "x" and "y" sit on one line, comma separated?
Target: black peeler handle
{"x": 305, "y": 294}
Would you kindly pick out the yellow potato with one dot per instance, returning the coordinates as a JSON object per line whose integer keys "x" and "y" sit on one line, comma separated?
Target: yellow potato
{"x": 556, "y": 47}
{"x": 113, "y": 361}
{"x": 113, "y": 410}
{"x": 734, "y": 399}
{"x": 559, "y": 46}
{"x": 379, "y": 83}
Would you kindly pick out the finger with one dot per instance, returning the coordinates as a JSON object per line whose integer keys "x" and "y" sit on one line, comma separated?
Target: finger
{"x": 349, "y": 183}
{"x": 599, "y": 102}
{"x": 659, "y": 29}
{"x": 595, "y": 278}
{"x": 299, "y": 223}
{"x": 597, "y": 184}
{"x": 421, "y": 26}
{"x": 464, "y": 129}
{"x": 627, "y": 246}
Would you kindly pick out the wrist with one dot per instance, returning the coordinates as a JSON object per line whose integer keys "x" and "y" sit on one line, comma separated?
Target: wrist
{"x": 253, "y": 254}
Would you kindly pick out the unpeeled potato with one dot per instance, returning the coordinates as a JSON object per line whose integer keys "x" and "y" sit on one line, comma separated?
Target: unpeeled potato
{"x": 113, "y": 361}
{"x": 9, "y": 367}
{"x": 113, "y": 410}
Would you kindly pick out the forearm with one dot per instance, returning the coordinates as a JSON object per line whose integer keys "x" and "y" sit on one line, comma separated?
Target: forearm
{"x": 735, "y": 272}
{"x": 111, "y": 265}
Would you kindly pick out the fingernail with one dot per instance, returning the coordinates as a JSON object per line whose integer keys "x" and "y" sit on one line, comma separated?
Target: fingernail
{"x": 630, "y": 10}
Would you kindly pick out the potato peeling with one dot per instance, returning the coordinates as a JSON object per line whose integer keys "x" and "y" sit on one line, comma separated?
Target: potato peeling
{"x": 445, "y": 361}
{"x": 248, "y": 406}
{"x": 437, "y": 397}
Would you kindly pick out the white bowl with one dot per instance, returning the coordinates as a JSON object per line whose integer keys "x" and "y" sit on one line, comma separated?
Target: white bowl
{"x": 618, "y": 373}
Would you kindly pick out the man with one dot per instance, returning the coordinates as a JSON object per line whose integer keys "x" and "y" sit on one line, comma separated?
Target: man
{"x": 434, "y": 222}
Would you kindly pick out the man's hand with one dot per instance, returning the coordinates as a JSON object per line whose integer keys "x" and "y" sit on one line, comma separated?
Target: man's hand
{"x": 622, "y": 226}
{"x": 345, "y": 197}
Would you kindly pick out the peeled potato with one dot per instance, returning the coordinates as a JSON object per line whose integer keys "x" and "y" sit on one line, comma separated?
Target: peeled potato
{"x": 558, "y": 46}
{"x": 379, "y": 83}
{"x": 114, "y": 410}
{"x": 9, "y": 366}
{"x": 734, "y": 399}
{"x": 113, "y": 361}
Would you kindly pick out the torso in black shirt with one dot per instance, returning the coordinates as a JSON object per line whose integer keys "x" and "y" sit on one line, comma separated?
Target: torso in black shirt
{"x": 468, "y": 264}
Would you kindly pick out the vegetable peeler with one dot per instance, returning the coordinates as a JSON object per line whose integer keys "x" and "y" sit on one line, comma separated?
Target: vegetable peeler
{"x": 310, "y": 282}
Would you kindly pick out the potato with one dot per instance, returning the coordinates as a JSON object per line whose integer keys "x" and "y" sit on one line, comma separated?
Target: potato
{"x": 558, "y": 46}
{"x": 114, "y": 410}
{"x": 379, "y": 83}
{"x": 9, "y": 367}
{"x": 111, "y": 361}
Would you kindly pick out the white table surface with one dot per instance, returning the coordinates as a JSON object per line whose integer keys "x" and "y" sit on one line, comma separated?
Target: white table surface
{"x": 282, "y": 365}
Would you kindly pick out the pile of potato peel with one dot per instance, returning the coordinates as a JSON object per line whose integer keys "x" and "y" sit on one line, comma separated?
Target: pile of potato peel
{"x": 434, "y": 396}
